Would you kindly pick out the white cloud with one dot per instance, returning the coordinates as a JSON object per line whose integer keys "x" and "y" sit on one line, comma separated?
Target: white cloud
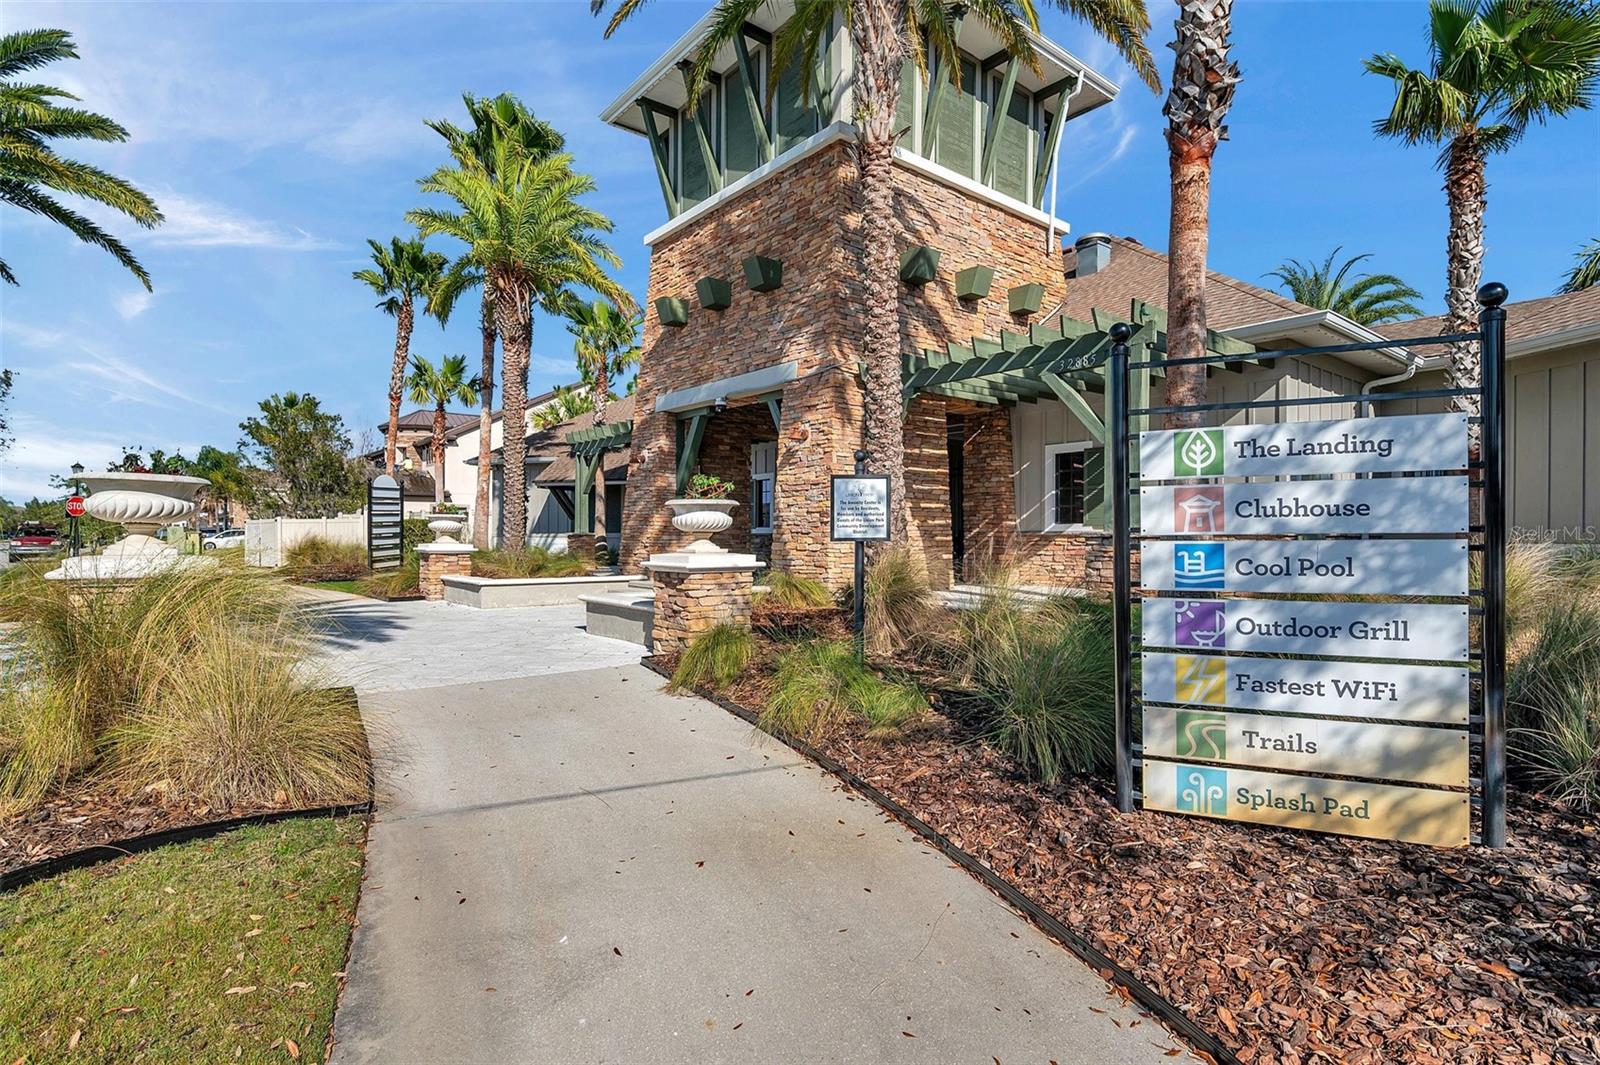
{"x": 42, "y": 451}
{"x": 197, "y": 224}
{"x": 73, "y": 360}
{"x": 1125, "y": 135}
{"x": 133, "y": 304}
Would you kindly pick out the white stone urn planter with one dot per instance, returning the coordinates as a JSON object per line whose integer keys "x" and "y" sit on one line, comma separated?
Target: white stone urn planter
{"x": 704, "y": 517}
{"x": 446, "y": 526}
{"x": 141, "y": 503}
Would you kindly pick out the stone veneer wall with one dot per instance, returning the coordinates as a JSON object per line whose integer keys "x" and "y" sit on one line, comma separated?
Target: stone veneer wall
{"x": 434, "y": 567}
{"x": 989, "y": 510}
{"x": 687, "y": 604}
{"x": 808, "y": 216}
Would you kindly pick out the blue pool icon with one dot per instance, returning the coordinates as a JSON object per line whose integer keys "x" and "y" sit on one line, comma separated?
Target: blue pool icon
{"x": 1197, "y": 565}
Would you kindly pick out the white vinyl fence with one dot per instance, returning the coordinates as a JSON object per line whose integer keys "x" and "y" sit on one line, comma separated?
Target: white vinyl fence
{"x": 266, "y": 539}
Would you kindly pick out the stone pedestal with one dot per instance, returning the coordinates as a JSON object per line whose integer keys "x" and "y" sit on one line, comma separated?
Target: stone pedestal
{"x": 697, "y": 590}
{"x": 581, "y": 545}
{"x": 439, "y": 560}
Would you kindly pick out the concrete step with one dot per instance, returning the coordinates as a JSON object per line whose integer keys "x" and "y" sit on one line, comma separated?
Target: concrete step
{"x": 620, "y": 616}
{"x": 643, "y": 584}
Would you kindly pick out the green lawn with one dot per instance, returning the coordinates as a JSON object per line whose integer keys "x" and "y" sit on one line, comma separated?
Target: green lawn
{"x": 353, "y": 587}
{"x": 223, "y": 949}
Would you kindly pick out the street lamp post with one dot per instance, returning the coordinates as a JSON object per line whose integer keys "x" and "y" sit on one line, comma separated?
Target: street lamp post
{"x": 77, "y": 490}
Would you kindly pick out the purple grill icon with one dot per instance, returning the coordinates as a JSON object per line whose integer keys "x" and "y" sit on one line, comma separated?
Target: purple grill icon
{"x": 1200, "y": 624}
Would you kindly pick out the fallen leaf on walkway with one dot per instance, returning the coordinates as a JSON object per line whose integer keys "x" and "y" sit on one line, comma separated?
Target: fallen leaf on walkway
{"x": 617, "y": 951}
{"x": 461, "y": 900}
{"x": 908, "y": 1035}
{"x": 699, "y": 865}
{"x": 750, "y": 992}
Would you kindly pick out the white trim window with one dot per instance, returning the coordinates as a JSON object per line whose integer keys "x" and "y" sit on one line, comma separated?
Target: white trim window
{"x": 1067, "y": 487}
{"x": 763, "y": 467}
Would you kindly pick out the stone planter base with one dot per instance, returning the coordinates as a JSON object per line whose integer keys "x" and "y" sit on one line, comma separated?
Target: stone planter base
{"x": 697, "y": 590}
{"x": 439, "y": 560}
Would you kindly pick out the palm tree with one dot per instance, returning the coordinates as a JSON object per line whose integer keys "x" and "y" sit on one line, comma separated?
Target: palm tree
{"x": 29, "y": 118}
{"x": 523, "y": 226}
{"x": 400, "y": 274}
{"x": 440, "y": 385}
{"x": 607, "y": 345}
{"x": 1586, "y": 271}
{"x": 884, "y": 33}
{"x": 565, "y": 403}
{"x": 1495, "y": 67}
{"x": 500, "y": 116}
{"x": 1369, "y": 299}
{"x": 1203, "y": 82}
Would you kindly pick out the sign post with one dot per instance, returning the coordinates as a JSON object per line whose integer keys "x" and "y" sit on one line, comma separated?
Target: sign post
{"x": 1283, "y": 679}
{"x": 859, "y": 512}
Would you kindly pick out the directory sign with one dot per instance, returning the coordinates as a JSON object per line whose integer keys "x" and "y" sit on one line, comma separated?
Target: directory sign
{"x": 1415, "y": 505}
{"x": 1337, "y": 567}
{"x": 1282, "y": 449}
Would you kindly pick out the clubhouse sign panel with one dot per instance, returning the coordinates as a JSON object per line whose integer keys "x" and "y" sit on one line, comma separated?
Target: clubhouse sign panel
{"x": 1231, "y": 735}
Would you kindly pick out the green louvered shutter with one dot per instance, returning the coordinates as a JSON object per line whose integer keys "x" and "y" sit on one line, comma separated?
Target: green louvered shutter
{"x": 797, "y": 119}
{"x": 955, "y": 147}
{"x": 1096, "y": 505}
{"x": 741, "y": 148}
{"x": 905, "y": 107}
{"x": 1011, "y": 150}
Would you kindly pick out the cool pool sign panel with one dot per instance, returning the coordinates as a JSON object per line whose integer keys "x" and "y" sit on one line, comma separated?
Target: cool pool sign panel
{"x": 1340, "y": 567}
{"x": 1353, "y": 445}
{"x": 1351, "y": 807}
{"x": 1436, "y": 632}
{"x": 1299, "y": 744}
{"x": 1419, "y": 505}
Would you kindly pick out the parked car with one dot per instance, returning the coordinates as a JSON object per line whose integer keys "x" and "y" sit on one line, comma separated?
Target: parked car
{"x": 224, "y": 539}
{"x": 33, "y": 539}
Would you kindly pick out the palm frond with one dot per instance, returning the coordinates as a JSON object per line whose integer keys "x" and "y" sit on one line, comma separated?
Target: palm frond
{"x": 20, "y": 194}
{"x": 1585, "y": 272}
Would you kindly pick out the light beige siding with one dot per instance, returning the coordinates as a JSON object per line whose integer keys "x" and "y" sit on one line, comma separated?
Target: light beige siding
{"x": 1553, "y": 433}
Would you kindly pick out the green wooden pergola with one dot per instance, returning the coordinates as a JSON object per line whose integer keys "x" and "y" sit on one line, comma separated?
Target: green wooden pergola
{"x": 589, "y": 447}
{"x": 1065, "y": 361}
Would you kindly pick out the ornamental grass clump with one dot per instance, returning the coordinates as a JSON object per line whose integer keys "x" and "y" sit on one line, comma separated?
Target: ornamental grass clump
{"x": 900, "y": 607}
{"x": 515, "y": 562}
{"x": 401, "y": 582}
{"x": 789, "y": 592}
{"x": 714, "y": 658}
{"x": 817, "y": 685}
{"x": 216, "y": 654}
{"x": 1045, "y": 670}
{"x": 1553, "y": 698}
{"x": 318, "y": 559}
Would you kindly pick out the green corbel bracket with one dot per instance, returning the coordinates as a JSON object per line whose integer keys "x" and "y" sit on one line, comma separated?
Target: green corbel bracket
{"x": 691, "y": 430}
{"x": 937, "y": 77}
{"x": 1052, "y": 136}
{"x": 1073, "y": 400}
{"x": 991, "y": 136}
{"x": 752, "y": 101}
{"x": 707, "y": 155}
{"x": 775, "y": 408}
{"x": 648, "y": 109}
{"x": 582, "y": 487}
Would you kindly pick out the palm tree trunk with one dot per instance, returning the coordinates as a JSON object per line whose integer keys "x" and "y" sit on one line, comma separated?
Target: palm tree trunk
{"x": 1467, "y": 192}
{"x": 438, "y": 453}
{"x": 601, "y": 389}
{"x": 1203, "y": 80}
{"x": 480, "y": 509}
{"x": 513, "y": 313}
{"x": 877, "y": 28}
{"x": 397, "y": 381}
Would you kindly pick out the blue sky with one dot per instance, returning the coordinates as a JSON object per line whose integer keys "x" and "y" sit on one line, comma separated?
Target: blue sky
{"x": 278, "y": 137}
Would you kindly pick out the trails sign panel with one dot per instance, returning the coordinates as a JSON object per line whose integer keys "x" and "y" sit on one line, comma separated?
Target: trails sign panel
{"x": 1353, "y": 445}
{"x": 1354, "y": 808}
{"x": 1339, "y": 567}
{"x": 1300, "y": 744}
{"x": 1334, "y": 689}
{"x": 1418, "y": 505}
{"x": 1431, "y": 631}
{"x": 860, "y": 508}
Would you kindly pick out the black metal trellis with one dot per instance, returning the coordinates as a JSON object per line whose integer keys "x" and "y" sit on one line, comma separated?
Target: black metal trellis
{"x": 1486, "y": 602}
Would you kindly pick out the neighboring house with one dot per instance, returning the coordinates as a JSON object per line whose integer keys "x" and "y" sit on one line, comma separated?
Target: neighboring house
{"x": 766, "y": 391}
{"x": 415, "y": 443}
{"x": 1552, "y": 411}
{"x": 552, "y": 476}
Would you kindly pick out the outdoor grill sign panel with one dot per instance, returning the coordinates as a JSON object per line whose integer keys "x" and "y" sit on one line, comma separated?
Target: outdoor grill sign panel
{"x": 1275, "y": 710}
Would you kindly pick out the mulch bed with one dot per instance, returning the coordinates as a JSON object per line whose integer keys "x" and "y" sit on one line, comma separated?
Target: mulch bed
{"x": 1290, "y": 947}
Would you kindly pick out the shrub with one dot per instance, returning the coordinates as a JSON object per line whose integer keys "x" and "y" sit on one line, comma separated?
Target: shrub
{"x": 1579, "y": 565}
{"x": 528, "y": 562}
{"x": 708, "y": 486}
{"x": 1046, "y": 671}
{"x": 1531, "y": 579}
{"x": 413, "y": 531}
{"x": 398, "y": 583}
{"x": 817, "y": 684}
{"x": 900, "y": 605}
{"x": 85, "y": 665}
{"x": 1561, "y": 754}
{"x": 318, "y": 559}
{"x": 714, "y": 658}
{"x": 791, "y": 593}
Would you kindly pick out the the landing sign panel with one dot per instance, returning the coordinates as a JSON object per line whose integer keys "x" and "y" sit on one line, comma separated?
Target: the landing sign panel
{"x": 1350, "y": 807}
{"x": 1336, "y": 689}
{"x": 1338, "y": 567}
{"x": 1351, "y": 445}
{"x": 1432, "y": 631}
{"x": 1300, "y": 745}
{"x": 1414, "y": 505}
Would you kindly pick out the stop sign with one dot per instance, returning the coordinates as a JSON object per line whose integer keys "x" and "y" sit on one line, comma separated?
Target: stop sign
{"x": 75, "y": 507}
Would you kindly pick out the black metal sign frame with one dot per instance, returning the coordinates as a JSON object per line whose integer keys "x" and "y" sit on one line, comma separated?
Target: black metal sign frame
{"x": 1487, "y": 536}
{"x": 385, "y": 515}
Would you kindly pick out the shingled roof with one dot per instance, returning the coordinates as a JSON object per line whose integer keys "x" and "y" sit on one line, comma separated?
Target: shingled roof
{"x": 1527, "y": 321}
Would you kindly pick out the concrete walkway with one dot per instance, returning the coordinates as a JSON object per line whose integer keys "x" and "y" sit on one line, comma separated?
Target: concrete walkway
{"x": 576, "y": 866}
